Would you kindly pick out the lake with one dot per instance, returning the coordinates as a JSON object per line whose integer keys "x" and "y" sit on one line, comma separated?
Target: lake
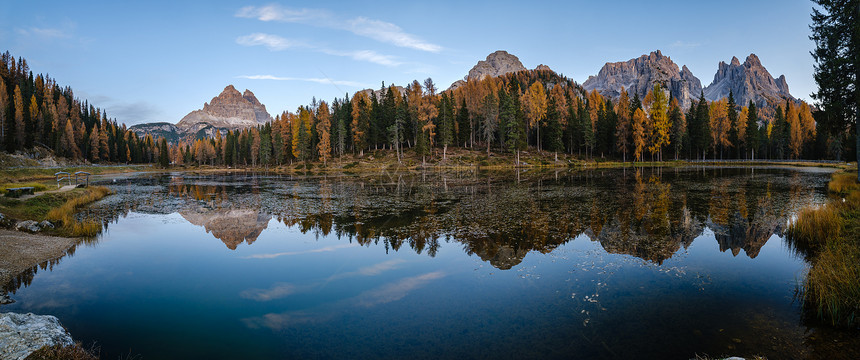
{"x": 654, "y": 263}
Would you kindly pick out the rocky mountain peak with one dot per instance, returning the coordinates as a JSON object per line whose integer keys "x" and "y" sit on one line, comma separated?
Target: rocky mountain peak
{"x": 753, "y": 60}
{"x": 229, "y": 110}
{"x": 498, "y": 63}
{"x": 639, "y": 75}
{"x": 543, "y": 67}
{"x": 747, "y": 81}
{"x": 735, "y": 61}
{"x": 248, "y": 95}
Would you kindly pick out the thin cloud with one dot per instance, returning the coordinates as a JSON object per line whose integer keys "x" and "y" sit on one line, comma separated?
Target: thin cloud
{"x": 381, "y": 31}
{"x": 364, "y": 55}
{"x": 389, "y": 33}
{"x": 314, "y": 80}
{"x": 277, "y": 43}
{"x": 273, "y": 42}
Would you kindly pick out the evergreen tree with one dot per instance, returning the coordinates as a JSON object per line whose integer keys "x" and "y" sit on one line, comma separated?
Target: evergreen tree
{"x": 836, "y": 32}
{"x": 752, "y": 132}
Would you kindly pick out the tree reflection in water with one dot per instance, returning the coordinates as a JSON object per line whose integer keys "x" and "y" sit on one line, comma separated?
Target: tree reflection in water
{"x": 500, "y": 217}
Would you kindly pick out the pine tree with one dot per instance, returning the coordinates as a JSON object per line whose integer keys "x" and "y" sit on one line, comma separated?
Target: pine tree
{"x": 733, "y": 133}
{"x": 836, "y": 32}
{"x": 94, "y": 144}
{"x": 490, "y": 121}
{"x": 4, "y": 104}
{"x": 679, "y": 126}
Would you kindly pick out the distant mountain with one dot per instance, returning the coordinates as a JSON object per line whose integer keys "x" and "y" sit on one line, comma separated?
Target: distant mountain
{"x": 639, "y": 75}
{"x": 160, "y": 129}
{"x": 497, "y": 64}
{"x": 747, "y": 81}
{"x": 230, "y": 110}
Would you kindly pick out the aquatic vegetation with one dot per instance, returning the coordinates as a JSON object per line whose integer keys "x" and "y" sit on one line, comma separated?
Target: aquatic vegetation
{"x": 66, "y": 213}
{"x": 830, "y": 237}
{"x": 843, "y": 183}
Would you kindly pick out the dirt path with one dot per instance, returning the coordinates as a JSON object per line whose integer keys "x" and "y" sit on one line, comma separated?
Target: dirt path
{"x": 21, "y": 251}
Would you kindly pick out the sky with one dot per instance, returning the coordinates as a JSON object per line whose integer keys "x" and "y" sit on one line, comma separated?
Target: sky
{"x": 154, "y": 61}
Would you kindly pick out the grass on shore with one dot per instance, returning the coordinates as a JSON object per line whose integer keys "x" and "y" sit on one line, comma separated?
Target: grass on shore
{"x": 57, "y": 352}
{"x": 65, "y": 213}
{"x": 47, "y": 174}
{"x": 829, "y": 236}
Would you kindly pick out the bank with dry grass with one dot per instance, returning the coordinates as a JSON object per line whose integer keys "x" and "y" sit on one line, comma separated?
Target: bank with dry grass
{"x": 829, "y": 237}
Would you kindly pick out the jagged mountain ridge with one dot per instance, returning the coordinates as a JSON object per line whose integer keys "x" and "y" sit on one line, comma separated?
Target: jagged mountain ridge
{"x": 230, "y": 110}
{"x": 639, "y": 75}
{"x": 747, "y": 81}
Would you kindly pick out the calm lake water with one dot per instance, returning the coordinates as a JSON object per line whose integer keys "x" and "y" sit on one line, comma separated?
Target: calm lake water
{"x": 654, "y": 263}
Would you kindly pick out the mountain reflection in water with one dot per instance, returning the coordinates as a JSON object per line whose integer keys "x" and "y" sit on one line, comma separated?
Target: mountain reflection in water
{"x": 500, "y": 217}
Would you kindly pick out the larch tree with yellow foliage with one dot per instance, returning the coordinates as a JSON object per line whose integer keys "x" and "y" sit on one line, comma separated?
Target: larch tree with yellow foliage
{"x": 639, "y": 135}
{"x": 623, "y": 125}
{"x": 658, "y": 114}
{"x": 360, "y": 121}
{"x": 535, "y": 103}
{"x": 720, "y": 125}
{"x": 324, "y": 132}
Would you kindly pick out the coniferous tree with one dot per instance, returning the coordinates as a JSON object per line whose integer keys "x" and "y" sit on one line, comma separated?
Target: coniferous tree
{"x": 836, "y": 32}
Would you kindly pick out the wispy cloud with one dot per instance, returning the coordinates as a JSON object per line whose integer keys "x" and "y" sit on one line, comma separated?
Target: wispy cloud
{"x": 45, "y": 32}
{"x": 273, "y": 42}
{"x": 364, "y": 55}
{"x": 312, "y": 251}
{"x": 277, "y": 43}
{"x": 381, "y": 31}
{"x": 314, "y": 80}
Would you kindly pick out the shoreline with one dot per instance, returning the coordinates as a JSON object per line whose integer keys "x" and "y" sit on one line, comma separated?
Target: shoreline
{"x": 24, "y": 251}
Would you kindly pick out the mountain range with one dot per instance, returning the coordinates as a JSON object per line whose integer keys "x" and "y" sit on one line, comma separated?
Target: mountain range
{"x": 747, "y": 81}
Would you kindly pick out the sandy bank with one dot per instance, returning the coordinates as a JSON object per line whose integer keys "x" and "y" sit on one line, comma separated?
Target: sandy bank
{"x": 20, "y": 251}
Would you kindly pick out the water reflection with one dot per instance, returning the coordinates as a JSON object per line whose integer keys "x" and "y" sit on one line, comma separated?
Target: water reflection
{"x": 647, "y": 213}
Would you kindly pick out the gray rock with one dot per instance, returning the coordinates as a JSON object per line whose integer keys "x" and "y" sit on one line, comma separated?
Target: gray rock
{"x": 639, "y": 75}
{"x": 747, "y": 81}
{"x": 230, "y": 110}
{"x": 46, "y": 225}
{"x": 28, "y": 225}
{"x": 22, "y": 334}
{"x": 5, "y": 299}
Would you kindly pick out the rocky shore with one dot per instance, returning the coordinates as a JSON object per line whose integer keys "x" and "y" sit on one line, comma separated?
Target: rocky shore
{"x": 22, "y": 334}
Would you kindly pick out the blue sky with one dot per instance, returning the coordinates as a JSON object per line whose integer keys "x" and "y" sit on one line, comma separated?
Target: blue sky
{"x": 151, "y": 61}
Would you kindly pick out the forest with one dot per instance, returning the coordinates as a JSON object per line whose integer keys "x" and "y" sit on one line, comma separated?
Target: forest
{"x": 527, "y": 110}
{"x": 36, "y": 111}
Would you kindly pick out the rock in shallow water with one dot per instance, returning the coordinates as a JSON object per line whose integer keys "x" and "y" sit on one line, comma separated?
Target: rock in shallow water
{"x": 22, "y": 334}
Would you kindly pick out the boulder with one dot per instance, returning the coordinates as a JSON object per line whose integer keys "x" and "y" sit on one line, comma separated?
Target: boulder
{"x": 46, "y": 225}
{"x": 28, "y": 225}
{"x": 22, "y": 334}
